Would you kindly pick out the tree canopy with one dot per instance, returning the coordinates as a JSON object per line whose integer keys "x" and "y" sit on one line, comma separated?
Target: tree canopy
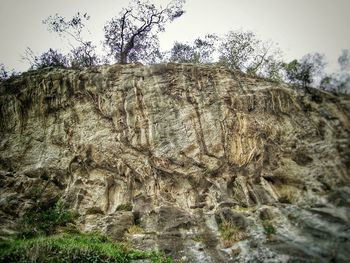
{"x": 132, "y": 36}
{"x": 243, "y": 50}
{"x": 83, "y": 55}
{"x": 305, "y": 71}
{"x": 201, "y": 51}
{"x": 50, "y": 58}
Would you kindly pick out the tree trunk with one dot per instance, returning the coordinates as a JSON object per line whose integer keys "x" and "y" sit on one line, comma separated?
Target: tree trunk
{"x": 123, "y": 57}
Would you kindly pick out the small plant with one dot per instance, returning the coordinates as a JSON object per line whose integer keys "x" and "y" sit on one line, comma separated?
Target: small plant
{"x": 287, "y": 195}
{"x": 268, "y": 228}
{"x": 236, "y": 251}
{"x": 34, "y": 192}
{"x": 135, "y": 229}
{"x": 231, "y": 233}
{"x": 197, "y": 239}
{"x": 124, "y": 207}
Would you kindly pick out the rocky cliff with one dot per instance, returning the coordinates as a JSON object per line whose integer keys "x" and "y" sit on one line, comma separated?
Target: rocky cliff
{"x": 208, "y": 165}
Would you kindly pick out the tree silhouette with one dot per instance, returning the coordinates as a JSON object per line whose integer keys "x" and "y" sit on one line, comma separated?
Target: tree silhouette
{"x": 132, "y": 36}
{"x": 50, "y": 58}
{"x": 307, "y": 70}
{"x": 242, "y": 50}
{"x": 83, "y": 55}
{"x": 344, "y": 60}
{"x": 201, "y": 51}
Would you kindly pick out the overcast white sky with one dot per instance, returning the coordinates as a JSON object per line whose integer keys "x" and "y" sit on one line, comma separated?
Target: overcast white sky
{"x": 299, "y": 26}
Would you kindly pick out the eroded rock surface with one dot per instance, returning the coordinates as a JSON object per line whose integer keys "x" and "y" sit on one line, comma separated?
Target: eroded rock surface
{"x": 209, "y": 164}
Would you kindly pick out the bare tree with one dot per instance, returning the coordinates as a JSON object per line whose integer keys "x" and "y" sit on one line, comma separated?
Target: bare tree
{"x": 83, "y": 55}
{"x": 132, "y": 35}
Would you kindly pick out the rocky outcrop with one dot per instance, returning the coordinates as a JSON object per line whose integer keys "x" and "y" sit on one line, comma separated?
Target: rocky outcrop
{"x": 205, "y": 164}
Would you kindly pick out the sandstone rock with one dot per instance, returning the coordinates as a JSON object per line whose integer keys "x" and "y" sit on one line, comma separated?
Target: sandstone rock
{"x": 175, "y": 149}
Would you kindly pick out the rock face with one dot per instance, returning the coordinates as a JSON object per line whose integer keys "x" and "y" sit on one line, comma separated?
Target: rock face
{"x": 210, "y": 165}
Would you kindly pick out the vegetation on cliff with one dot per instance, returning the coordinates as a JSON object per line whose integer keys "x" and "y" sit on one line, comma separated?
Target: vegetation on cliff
{"x": 208, "y": 157}
{"x": 133, "y": 36}
{"x": 73, "y": 248}
{"x": 47, "y": 233}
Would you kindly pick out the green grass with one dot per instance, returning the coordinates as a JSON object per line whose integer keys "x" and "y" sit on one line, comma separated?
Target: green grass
{"x": 43, "y": 219}
{"x": 72, "y": 248}
{"x": 38, "y": 241}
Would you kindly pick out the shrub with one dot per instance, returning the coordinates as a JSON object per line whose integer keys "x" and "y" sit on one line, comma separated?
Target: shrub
{"x": 50, "y": 58}
{"x": 43, "y": 219}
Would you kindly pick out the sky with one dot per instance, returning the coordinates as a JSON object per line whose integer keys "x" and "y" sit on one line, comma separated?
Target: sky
{"x": 298, "y": 26}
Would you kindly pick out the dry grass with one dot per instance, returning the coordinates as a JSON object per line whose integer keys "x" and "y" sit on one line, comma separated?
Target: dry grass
{"x": 287, "y": 194}
{"x": 135, "y": 229}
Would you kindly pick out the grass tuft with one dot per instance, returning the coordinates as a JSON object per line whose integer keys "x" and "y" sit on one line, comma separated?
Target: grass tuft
{"x": 197, "y": 239}
{"x": 231, "y": 233}
{"x": 124, "y": 207}
{"x": 268, "y": 228}
{"x": 135, "y": 229}
{"x": 287, "y": 195}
